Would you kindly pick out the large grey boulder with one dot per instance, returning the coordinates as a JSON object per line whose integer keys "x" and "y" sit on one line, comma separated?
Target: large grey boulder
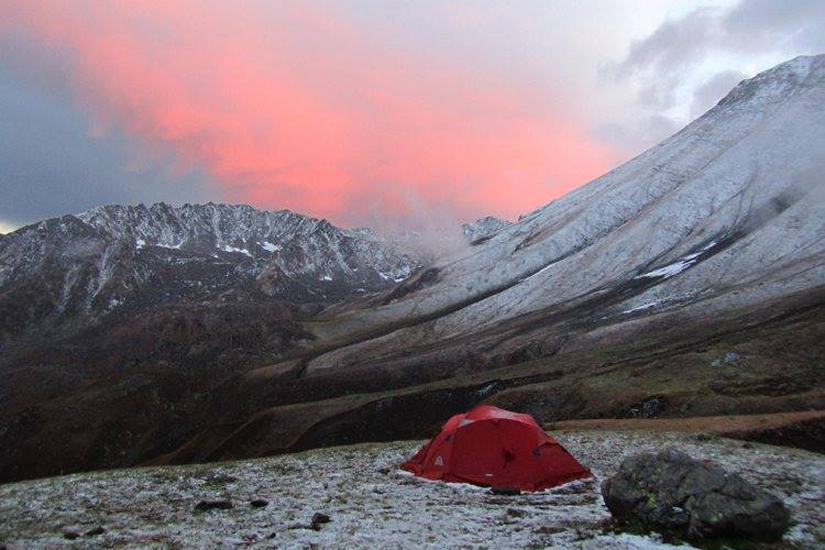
{"x": 671, "y": 492}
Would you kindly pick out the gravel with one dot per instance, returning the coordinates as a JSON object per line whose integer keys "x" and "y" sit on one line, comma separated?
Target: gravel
{"x": 373, "y": 505}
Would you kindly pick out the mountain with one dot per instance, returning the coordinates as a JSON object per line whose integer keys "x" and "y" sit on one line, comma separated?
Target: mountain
{"x": 483, "y": 228}
{"x": 688, "y": 281}
{"x": 78, "y": 270}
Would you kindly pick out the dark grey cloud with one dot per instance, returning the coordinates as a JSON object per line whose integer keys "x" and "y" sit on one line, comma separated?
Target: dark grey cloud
{"x": 50, "y": 164}
{"x": 674, "y": 45}
{"x": 713, "y": 89}
{"x": 665, "y": 68}
{"x": 792, "y": 27}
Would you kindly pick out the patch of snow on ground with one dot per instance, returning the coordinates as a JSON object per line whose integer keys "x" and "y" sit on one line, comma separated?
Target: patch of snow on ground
{"x": 539, "y": 272}
{"x": 676, "y": 267}
{"x": 667, "y": 271}
{"x": 140, "y": 243}
{"x": 269, "y": 247}
{"x": 373, "y": 505}
{"x": 646, "y": 305}
{"x": 228, "y": 248}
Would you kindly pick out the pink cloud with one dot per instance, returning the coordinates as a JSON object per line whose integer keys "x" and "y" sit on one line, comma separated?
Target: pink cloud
{"x": 296, "y": 107}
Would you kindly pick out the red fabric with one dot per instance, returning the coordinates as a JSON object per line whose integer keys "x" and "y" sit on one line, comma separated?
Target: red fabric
{"x": 493, "y": 447}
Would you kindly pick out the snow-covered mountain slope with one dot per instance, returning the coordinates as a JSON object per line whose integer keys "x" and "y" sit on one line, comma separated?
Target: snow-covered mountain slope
{"x": 484, "y": 227}
{"x": 728, "y": 212}
{"x": 115, "y": 257}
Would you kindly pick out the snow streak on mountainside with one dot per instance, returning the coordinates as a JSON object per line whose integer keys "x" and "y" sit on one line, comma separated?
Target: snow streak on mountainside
{"x": 729, "y": 210}
{"x": 117, "y": 256}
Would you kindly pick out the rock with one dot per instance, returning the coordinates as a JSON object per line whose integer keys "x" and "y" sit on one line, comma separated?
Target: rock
{"x": 318, "y": 520}
{"x": 99, "y": 530}
{"x": 205, "y": 505}
{"x": 70, "y": 535}
{"x": 507, "y": 491}
{"x": 731, "y": 359}
{"x": 259, "y": 503}
{"x": 673, "y": 493}
{"x": 649, "y": 408}
{"x": 516, "y": 513}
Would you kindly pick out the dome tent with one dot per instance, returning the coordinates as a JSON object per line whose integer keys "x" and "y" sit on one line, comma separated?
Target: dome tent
{"x": 498, "y": 448}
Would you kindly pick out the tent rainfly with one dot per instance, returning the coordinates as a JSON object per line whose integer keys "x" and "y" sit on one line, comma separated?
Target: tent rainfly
{"x": 494, "y": 447}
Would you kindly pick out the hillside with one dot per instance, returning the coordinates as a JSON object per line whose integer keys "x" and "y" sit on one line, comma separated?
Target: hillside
{"x": 689, "y": 281}
{"x": 372, "y": 505}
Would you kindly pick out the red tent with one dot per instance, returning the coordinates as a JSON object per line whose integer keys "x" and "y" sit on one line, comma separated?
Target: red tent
{"x": 493, "y": 447}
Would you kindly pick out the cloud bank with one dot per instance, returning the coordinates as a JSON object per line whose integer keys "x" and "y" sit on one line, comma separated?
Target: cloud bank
{"x": 396, "y": 115}
{"x": 287, "y": 105}
{"x": 688, "y": 63}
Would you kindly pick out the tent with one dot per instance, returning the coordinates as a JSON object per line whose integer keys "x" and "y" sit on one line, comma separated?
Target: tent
{"x": 493, "y": 447}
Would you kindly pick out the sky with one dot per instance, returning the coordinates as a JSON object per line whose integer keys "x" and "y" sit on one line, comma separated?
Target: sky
{"x": 392, "y": 114}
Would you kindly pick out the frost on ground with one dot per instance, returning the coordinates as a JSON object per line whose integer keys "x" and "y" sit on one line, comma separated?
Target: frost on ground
{"x": 372, "y": 504}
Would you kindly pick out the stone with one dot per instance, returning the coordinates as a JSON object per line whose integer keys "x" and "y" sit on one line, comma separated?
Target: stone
{"x": 259, "y": 503}
{"x": 673, "y": 493}
{"x": 318, "y": 520}
{"x": 732, "y": 358}
{"x": 506, "y": 491}
{"x": 70, "y": 535}
{"x": 99, "y": 530}
{"x": 649, "y": 408}
{"x": 206, "y": 505}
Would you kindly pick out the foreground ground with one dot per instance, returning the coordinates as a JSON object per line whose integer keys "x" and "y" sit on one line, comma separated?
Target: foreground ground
{"x": 373, "y": 505}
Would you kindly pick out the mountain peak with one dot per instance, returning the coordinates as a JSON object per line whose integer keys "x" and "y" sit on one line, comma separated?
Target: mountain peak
{"x": 779, "y": 82}
{"x": 483, "y": 227}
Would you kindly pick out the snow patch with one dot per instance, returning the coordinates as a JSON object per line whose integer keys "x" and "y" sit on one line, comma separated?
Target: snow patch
{"x": 676, "y": 267}
{"x": 539, "y": 272}
{"x": 647, "y": 305}
{"x": 227, "y": 248}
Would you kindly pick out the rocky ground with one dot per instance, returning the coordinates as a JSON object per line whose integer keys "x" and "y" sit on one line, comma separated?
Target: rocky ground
{"x": 371, "y": 504}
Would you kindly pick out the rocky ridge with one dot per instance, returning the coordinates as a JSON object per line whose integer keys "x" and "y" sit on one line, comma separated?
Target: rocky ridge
{"x": 80, "y": 269}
